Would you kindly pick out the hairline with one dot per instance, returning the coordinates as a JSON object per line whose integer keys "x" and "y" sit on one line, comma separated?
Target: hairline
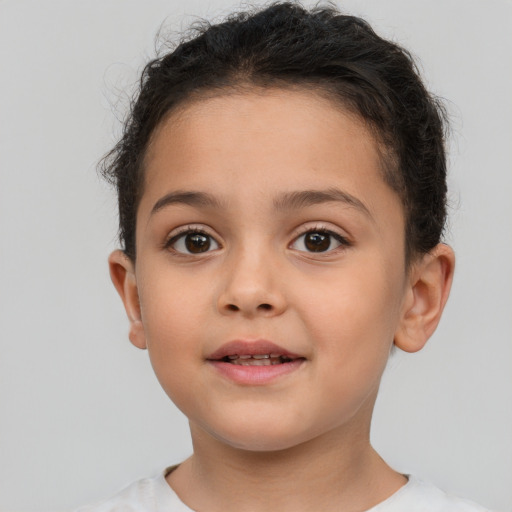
{"x": 241, "y": 84}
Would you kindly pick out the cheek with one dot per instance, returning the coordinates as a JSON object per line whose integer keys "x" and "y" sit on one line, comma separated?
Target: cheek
{"x": 353, "y": 331}
{"x": 358, "y": 310}
{"x": 170, "y": 304}
{"x": 173, "y": 320}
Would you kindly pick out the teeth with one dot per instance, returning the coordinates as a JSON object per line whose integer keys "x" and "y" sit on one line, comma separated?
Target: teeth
{"x": 258, "y": 360}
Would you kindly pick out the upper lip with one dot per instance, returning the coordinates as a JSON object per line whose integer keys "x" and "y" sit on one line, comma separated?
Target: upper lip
{"x": 249, "y": 348}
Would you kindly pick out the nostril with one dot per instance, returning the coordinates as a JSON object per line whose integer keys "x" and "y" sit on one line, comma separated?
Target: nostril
{"x": 264, "y": 307}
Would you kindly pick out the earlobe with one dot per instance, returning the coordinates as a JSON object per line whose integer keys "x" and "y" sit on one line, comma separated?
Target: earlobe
{"x": 428, "y": 290}
{"x": 122, "y": 273}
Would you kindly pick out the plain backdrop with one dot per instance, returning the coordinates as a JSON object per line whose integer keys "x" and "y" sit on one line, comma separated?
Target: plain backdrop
{"x": 81, "y": 413}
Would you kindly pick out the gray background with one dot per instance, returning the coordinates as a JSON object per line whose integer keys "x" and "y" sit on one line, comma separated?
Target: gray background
{"x": 81, "y": 413}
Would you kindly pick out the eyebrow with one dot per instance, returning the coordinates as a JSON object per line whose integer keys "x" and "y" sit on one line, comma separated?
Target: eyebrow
{"x": 288, "y": 201}
{"x": 190, "y": 198}
{"x": 304, "y": 198}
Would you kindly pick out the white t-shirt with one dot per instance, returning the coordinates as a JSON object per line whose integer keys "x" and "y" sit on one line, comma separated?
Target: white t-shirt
{"x": 155, "y": 495}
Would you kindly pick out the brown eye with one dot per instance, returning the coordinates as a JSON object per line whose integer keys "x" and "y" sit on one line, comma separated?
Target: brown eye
{"x": 318, "y": 241}
{"x": 197, "y": 242}
{"x": 192, "y": 242}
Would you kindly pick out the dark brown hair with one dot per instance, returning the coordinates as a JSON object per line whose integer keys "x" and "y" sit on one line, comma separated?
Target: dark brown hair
{"x": 285, "y": 45}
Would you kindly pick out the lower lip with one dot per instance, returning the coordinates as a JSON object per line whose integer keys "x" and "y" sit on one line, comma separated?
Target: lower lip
{"x": 255, "y": 375}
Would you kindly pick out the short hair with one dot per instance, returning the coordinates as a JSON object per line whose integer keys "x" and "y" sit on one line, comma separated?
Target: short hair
{"x": 286, "y": 45}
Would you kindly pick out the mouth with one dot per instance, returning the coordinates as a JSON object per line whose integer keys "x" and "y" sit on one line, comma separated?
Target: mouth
{"x": 254, "y": 362}
{"x": 257, "y": 359}
{"x": 254, "y": 353}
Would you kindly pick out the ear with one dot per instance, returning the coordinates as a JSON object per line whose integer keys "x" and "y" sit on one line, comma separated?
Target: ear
{"x": 429, "y": 285}
{"x": 122, "y": 273}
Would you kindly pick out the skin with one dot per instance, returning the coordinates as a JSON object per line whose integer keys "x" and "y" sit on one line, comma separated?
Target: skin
{"x": 301, "y": 441}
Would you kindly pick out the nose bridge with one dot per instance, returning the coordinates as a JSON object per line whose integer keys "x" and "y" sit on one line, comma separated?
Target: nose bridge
{"x": 251, "y": 284}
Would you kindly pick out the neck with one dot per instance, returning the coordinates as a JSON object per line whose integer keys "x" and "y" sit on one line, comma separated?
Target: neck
{"x": 336, "y": 471}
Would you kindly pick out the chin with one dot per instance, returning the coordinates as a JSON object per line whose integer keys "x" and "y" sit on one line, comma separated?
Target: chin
{"x": 260, "y": 443}
{"x": 261, "y": 437}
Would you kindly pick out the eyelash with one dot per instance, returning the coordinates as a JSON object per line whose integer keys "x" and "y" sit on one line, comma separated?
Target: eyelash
{"x": 182, "y": 233}
{"x": 342, "y": 241}
{"x": 193, "y": 230}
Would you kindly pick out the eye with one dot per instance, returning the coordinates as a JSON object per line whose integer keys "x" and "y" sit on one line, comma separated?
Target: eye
{"x": 318, "y": 241}
{"x": 192, "y": 242}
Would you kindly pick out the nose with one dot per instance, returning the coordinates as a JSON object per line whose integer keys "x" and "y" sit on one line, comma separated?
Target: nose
{"x": 252, "y": 287}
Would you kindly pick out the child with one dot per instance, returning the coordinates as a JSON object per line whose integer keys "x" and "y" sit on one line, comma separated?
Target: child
{"x": 282, "y": 189}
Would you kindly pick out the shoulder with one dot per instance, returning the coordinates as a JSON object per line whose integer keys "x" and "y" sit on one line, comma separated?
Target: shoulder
{"x": 146, "y": 495}
{"x": 419, "y": 496}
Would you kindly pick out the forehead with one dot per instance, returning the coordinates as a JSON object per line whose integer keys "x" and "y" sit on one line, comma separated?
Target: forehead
{"x": 251, "y": 143}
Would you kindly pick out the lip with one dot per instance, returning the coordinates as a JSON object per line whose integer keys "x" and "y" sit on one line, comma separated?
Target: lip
{"x": 250, "y": 348}
{"x": 253, "y": 375}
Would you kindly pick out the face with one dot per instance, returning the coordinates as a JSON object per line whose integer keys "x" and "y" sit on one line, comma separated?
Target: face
{"x": 270, "y": 268}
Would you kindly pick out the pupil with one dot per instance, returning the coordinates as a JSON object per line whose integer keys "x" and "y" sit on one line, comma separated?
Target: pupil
{"x": 196, "y": 242}
{"x": 317, "y": 242}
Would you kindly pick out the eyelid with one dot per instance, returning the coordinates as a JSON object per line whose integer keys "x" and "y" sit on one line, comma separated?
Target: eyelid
{"x": 326, "y": 227}
{"x": 342, "y": 239}
{"x": 178, "y": 232}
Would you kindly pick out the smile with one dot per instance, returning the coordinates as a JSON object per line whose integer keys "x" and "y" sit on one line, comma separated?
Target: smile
{"x": 254, "y": 362}
{"x": 257, "y": 359}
